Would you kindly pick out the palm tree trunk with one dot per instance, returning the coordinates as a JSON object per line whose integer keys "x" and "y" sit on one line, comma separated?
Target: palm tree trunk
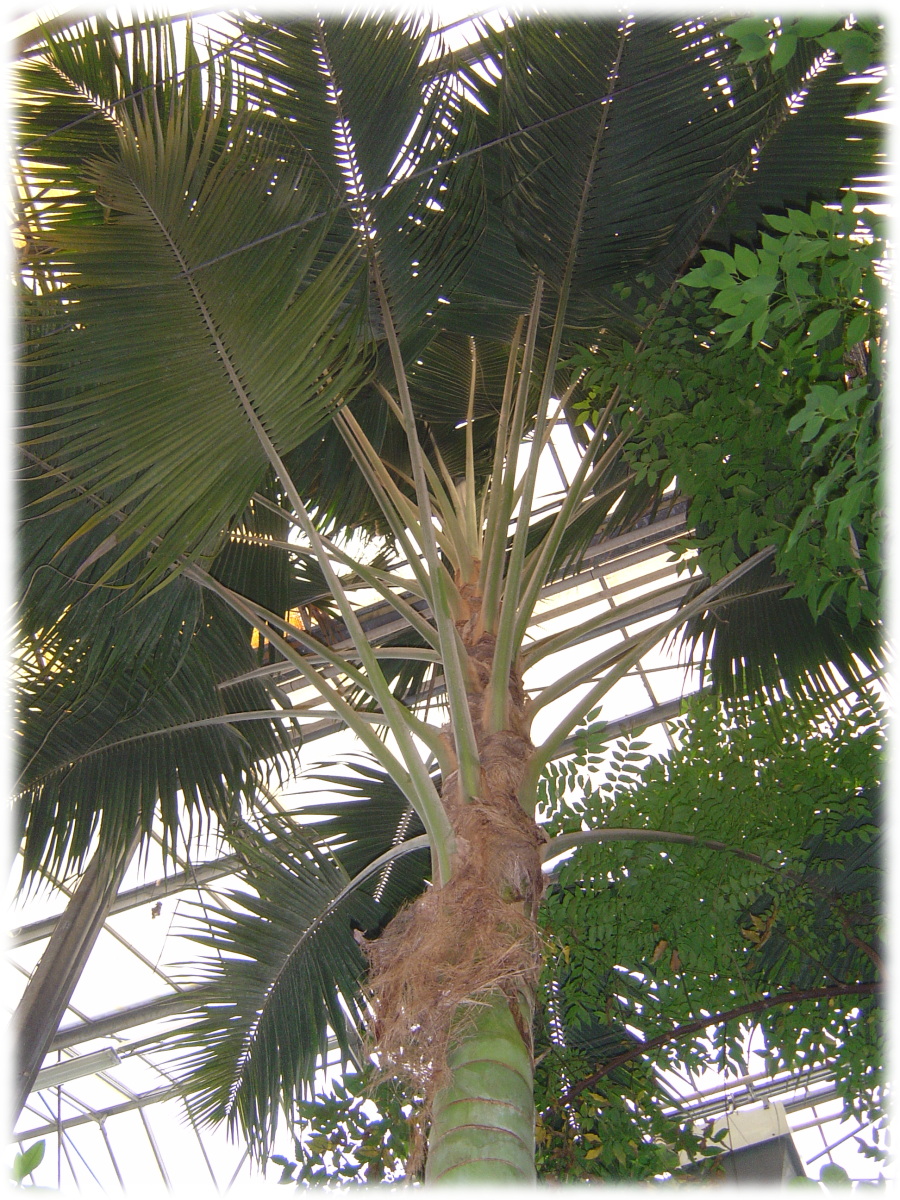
{"x": 453, "y": 977}
{"x": 482, "y": 1128}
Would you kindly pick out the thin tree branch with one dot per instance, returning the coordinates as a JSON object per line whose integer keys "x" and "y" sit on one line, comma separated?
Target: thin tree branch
{"x": 792, "y": 997}
{"x": 870, "y": 952}
{"x": 567, "y": 841}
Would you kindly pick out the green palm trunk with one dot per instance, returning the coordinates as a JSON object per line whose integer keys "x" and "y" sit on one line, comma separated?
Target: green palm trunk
{"x": 483, "y": 1120}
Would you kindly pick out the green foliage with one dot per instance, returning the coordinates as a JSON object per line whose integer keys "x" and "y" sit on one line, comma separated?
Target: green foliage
{"x": 220, "y": 268}
{"x": 770, "y": 420}
{"x": 647, "y": 934}
{"x": 271, "y": 304}
{"x": 775, "y": 39}
{"x": 266, "y": 1008}
{"x": 27, "y": 1161}
{"x": 287, "y": 972}
{"x": 107, "y": 753}
{"x": 834, "y": 1175}
{"x": 644, "y": 935}
{"x": 615, "y": 1131}
{"x": 359, "y": 1133}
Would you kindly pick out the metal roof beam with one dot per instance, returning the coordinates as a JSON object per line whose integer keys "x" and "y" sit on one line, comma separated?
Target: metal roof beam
{"x": 126, "y": 1018}
{"x": 203, "y": 873}
{"x": 97, "y": 1116}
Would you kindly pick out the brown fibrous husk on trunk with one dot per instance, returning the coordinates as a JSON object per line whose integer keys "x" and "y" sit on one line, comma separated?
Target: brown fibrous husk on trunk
{"x": 476, "y": 934}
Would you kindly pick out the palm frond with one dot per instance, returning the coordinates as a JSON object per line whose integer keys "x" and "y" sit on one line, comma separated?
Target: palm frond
{"x": 679, "y": 128}
{"x": 74, "y": 92}
{"x": 252, "y": 564}
{"x": 284, "y": 980}
{"x": 824, "y": 148}
{"x": 617, "y": 148}
{"x": 386, "y": 127}
{"x": 262, "y": 333}
{"x": 107, "y": 750}
{"x": 438, "y": 383}
{"x": 758, "y": 639}
{"x": 374, "y": 816}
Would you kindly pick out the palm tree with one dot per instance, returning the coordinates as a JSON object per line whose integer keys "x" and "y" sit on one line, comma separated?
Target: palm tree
{"x": 324, "y": 277}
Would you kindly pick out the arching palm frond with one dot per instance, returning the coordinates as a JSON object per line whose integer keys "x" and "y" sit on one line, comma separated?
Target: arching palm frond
{"x": 287, "y": 968}
{"x": 107, "y": 749}
{"x": 759, "y": 639}
{"x": 213, "y": 340}
{"x": 386, "y": 124}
